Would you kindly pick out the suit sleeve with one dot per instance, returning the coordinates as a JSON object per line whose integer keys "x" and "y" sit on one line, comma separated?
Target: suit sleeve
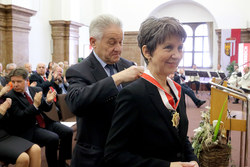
{"x": 188, "y": 149}
{"x": 16, "y": 113}
{"x": 40, "y": 82}
{"x": 124, "y": 121}
{"x": 85, "y": 95}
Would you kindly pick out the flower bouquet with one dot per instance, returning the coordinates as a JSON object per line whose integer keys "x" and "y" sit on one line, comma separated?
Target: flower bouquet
{"x": 210, "y": 143}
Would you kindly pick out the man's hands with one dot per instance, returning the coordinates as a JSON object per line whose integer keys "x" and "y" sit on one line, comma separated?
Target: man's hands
{"x": 50, "y": 96}
{"x": 33, "y": 84}
{"x": 5, "y": 90}
{"x": 184, "y": 164}
{"x": 38, "y": 99}
{"x": 4, "y": 106}
{"x": 130, "y": 74}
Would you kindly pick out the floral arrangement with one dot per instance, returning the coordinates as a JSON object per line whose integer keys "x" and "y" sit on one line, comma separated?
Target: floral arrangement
{"x": 209, "y": 141}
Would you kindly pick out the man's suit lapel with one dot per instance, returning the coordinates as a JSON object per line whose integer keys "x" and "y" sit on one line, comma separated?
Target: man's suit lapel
{"x": 96, "y": 68}
{"x": 20, "y": 97}
{"x": 32, "y": 92}
{"x": 163, "y": 111}
{"x": 120, "y": 66}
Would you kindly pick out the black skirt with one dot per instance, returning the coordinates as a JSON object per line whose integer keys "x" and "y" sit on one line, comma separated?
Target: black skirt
{"x": 11, "y": 147}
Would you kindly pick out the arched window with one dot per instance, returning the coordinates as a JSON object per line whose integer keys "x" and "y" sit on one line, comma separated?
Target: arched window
{"x": 197, "y": 46}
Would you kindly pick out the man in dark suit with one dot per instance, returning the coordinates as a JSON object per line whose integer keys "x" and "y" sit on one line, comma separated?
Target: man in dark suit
{"x": 93, "y": 87}
{"x": 2, "y": 81}
{"x": 59, "y": 84}
{"x": 179, "y": 77}
{"x": 40, "y": 78}
{"x": 28, "y": 67}
{"x": 28, "y": 120}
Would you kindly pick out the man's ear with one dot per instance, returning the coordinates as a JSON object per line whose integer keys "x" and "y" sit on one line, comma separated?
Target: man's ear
{"x": 92, "y": 42}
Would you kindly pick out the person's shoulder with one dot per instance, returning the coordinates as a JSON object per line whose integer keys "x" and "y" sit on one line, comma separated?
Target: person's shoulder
{"x": 125, "y": 61}
{"x": 10, "y": 94}
{"x": 34, "y": 75}
{"x": 136, "y": 85}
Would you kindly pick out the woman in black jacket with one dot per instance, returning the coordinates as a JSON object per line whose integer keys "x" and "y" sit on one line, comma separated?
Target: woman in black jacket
{"x": 16, "y": 150}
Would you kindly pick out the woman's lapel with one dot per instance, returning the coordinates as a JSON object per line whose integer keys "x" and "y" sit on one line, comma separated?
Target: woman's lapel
{"x": 160, "y": 107}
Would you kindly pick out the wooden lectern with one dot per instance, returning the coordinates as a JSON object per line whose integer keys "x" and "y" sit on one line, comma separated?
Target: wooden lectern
{"x": 219, "y": 93}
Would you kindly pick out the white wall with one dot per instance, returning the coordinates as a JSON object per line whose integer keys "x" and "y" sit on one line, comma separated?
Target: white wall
{"x": 225, "y": 14}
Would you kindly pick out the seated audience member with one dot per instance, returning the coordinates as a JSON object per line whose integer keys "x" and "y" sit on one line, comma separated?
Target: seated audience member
{"x": 49, "y": 68}
{"x": 2, "y": 78}
{"x": 40, "y": 78}
{"x": 2, "y": 81}
{"x": 15, "y": 150}
{"x": 149, "y": 126}
{"x": 234, "y": 79}
{"x": 65, "y": 68}
{"x": 2, "y": 72}
{"x": 245, "y": 80}
{"x": 179, "y": 77}
{"x": 61, "y": 64}
{"x": 59, "y": 85}
{"x": 28, "y": 67}
{"x": 28, "y": 120}
{"x": 9, "y": 68}
{"x": 195, "y": 80}
{"x": 218, "y": 70}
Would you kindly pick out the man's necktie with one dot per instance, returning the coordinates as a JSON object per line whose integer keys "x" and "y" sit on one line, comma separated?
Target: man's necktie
{"x": 111, "y": 71}
{"x": 39, "y": 117}
{"x": 51, "y": 88}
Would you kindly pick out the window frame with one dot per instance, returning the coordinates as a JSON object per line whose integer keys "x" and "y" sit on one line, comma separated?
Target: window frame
{"x": 194, "y": 26}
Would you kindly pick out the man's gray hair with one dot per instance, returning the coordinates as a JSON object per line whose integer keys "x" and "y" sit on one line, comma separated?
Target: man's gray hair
{"x": 100, "y": 23}
{"x": 10, "y": 64}
{"x": 154, "y": 31}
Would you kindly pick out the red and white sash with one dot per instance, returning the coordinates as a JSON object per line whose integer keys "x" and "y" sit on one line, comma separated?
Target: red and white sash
{"x": 167, "y": 99}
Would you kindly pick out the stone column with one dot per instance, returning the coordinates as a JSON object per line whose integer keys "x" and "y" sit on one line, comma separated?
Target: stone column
{"x": 14, "y": 34}
{"x": 131, "y": 51}
{"x": 65, "y": 35}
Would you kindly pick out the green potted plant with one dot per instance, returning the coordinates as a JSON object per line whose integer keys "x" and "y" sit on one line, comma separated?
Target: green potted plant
{"x": 210, "y": 143}
{"x": 230, "y": 67}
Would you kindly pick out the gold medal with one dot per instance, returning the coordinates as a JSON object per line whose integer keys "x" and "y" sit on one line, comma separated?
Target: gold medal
{"x": 176, "y": 119}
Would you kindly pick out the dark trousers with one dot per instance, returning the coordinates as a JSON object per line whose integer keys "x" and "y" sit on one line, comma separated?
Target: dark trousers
{"x": 188, "y": 91}
{"x": 197, "y": 85}
{"x": 54, "y": 136}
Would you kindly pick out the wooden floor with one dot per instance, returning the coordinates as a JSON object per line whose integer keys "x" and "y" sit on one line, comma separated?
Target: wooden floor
{"x": 194, "y": 119}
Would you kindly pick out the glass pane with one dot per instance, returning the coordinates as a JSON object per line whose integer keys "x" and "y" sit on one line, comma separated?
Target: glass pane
{"x": 198, "y": 59}
{"x": 187, "y": 58}
{"x": 198, "y": 44}
{"x": 206, "y": 60}
{"x": 201, "y": 30}
{"x": 188, "y": 44}
{"x": 181, "y": 63}
{"x": 206, "y": 44}
{"x": 188, "y": 30}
